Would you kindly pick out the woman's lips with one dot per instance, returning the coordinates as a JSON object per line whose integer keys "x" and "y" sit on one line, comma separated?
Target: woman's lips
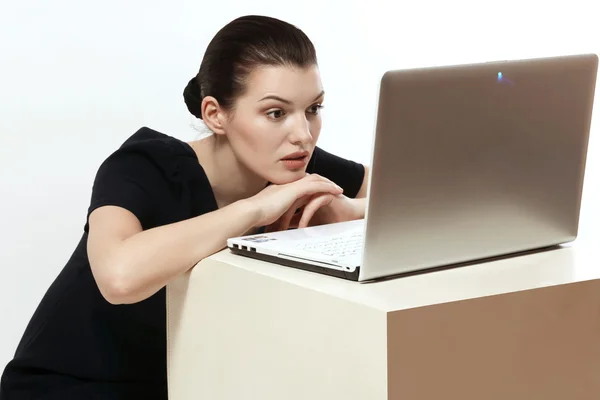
{"x": 295, "y": 163}
{"x": 296, "y": 160}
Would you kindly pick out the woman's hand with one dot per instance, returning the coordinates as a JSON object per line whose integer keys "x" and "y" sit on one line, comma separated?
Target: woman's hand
{"x": 319, "y": 209}
{"x": 339, "y": 209}
{"x": 277, "y": 203}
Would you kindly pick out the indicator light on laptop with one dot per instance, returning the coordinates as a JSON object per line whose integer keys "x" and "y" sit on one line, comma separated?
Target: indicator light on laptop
{"x": 499, "y": 76}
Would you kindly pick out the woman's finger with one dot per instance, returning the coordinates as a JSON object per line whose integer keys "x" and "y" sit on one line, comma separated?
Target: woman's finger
{"x": 286, "y": 218}
{"x": 296, "y": 219}
{"x": 309, "y": 188}
{"x": 311, "y": 208}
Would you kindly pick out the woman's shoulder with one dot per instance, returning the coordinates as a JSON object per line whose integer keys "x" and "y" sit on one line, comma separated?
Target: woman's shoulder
{"x": 153, "y": 142}
{"x": 154, "y": 150}
{"x": 151, "y": 174}
{"x": 151, "y": 158}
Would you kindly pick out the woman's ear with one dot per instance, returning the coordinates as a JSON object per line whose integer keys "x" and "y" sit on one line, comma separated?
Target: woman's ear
{"x": 213, "y": 115}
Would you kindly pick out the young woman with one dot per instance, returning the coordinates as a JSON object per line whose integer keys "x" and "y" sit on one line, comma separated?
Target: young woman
{"x": 160, "y": 205}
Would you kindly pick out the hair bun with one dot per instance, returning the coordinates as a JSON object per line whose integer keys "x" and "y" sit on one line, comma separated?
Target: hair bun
{"x": 193, "y": 98}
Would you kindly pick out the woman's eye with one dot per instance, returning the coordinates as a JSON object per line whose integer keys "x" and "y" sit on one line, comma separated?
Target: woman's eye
{"x": 315, "y": 109}
{"x": 275, "y": 114}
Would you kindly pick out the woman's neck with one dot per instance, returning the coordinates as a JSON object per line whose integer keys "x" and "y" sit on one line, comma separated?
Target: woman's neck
{"x": 230, "y": 180}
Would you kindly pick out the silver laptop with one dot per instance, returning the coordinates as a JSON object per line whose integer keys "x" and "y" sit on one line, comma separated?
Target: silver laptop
{"x": 469, "y": 162}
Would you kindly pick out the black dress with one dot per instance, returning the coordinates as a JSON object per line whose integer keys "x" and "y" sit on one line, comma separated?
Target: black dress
{"x": 79, "y": 346}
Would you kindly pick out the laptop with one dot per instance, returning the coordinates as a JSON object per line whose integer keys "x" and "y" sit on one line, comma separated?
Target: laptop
{"x": 469, "y": 162}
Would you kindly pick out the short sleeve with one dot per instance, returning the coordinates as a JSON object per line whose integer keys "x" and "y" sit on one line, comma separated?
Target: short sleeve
{"x": 130, "y": 180}
{"x": 349, "y": 175}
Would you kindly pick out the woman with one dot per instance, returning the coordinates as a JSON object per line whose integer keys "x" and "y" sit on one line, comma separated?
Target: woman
{"x": 160, "y": 205}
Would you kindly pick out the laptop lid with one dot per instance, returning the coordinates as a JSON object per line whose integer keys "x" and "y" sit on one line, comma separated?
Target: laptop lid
{"x": 476, "y": 161}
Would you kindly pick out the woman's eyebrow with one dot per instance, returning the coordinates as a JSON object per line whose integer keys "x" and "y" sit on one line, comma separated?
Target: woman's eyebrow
{"x": 277, "y": 98}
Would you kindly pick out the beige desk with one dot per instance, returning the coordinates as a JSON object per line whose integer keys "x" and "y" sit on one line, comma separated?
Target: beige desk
{"x": 519, "y": 328}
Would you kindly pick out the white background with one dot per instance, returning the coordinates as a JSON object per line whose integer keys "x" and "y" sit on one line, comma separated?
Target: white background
{"x": 79, "y": 77}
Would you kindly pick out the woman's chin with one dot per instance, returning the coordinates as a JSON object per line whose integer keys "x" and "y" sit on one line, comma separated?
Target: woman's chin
{"x": 285, "y": 177}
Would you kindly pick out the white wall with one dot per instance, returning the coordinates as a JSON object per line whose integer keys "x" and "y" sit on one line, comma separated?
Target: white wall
{"x": 77, "y": 78}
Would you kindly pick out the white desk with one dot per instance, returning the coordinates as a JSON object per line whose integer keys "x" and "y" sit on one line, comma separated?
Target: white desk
{"x": 526, "y": 327}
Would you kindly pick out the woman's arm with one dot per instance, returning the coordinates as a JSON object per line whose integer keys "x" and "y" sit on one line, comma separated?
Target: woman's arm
{"x": 362, "y": 192}
{"x": 360, "y": 201}
{"x": 130, "y": 265}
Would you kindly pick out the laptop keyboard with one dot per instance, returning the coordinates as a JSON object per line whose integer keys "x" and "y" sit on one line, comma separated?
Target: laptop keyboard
{"x": 340, "y": 246}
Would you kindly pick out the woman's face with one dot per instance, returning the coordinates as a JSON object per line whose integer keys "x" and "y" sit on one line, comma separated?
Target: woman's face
{"x": 275, "y": 124}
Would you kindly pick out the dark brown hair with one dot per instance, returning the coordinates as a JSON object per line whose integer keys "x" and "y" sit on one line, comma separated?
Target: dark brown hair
{"x": 239, "y": 47}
